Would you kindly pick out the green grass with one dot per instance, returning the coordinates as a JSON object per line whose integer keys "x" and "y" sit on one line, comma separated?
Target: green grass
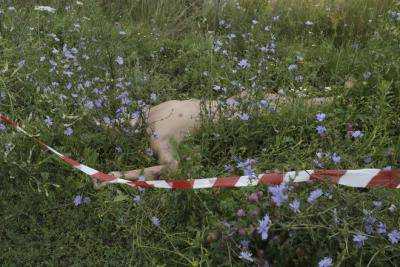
{"x": 169, "y": 49}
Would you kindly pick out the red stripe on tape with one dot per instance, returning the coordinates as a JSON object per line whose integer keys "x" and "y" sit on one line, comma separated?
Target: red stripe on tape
{"x": 70, "y": 161}
{"x": 274, "y": 178}
{"x": 181, "y": 184}
{"x": 226, "y": 182}
{"x": 322, "y": 175}
{"x": 386, "y": 178}
{"x": 103, "y": 177}
{"x": 141, "y": 184}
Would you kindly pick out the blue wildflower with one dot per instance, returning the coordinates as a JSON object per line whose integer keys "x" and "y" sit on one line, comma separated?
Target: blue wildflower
{"x": 320, "y": 116}
{"x": 244, "y": 117}
{"x": 2, "y": 127}
{"x": 68, "y": 131}
{"x": 295, "y": 206}
{"x": 381, "y": 228}
{"x": 244, "y": 64}
{"x": 394, "y": 237}
{"x": 336, "y": 158}
{"x": 155, "y": 221}
{"x": 136, "y": 199}
{"x": 246, "y": 255}
{"x": 278, "y": 194}
{"x": 377, "y": 204}
{"x": 264, "y": 103}
{"x": 263, "y": 227}
{"x": 314, "y": 195}
{"x": 320, "y": 129}
{"x": 357, "y": 134}
{"x": 325, "y": 262}
{"x": 245, "y": 244}
{"x": 78, "y": 200}
{"x": 359, "y": 239}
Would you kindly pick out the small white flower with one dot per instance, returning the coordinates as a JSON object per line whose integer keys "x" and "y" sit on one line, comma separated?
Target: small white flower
{"x": 120, "y": 60}
{"x": 308, "y": 23}
{"x": 45, "y": 8}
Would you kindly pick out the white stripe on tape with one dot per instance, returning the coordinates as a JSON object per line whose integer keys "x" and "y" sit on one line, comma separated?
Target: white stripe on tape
{"x": 86, "y": 169}
{"x": 300, "y": 176}
{"x": 246, "y": 181}
{"x": 358, "y": 178}
{"x": 204, "y": 183}
{"x": 159, "y": 183}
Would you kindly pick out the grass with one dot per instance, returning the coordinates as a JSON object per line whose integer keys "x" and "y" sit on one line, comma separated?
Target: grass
{"x": 178, "y": 50}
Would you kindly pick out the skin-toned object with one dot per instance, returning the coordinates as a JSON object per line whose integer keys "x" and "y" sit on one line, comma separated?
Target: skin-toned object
{"x": 173, "y": 120}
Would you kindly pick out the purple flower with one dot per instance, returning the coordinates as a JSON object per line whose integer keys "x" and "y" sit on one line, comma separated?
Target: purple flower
{"x": 155, "y": 221}
{"x": 244, "y": 64}
{"x": 246, "y": 255}
{"x": 359, "y": 239}
{"x": 246, "y": 167}
{"x": 253, "y": 197}
{"x": 278, "y": 194}
{"x": 240, "y": 213}
{"x": 320, "y": 116}
{"x": 357, "y": 134}
{"x": 136, "y": 199}
{"x": 232, "y": 102}
{"x": 325, "y": 262}
{"x": 394, "y": 237}
{"x": 263, "y": 227}
{"x": 295, "y": 206}
{"x": 2, "y": 127}
{"x": 314, "y": 195}
{"x": 21, "y": 63}
{"x": 228, "y": 168}
{"x": 264, "y": 103}
{"x": 320, "y": 129}
{"x": 78, "y": 200}
{"x": 377, "y": 204}
{"x": 244, "y": 244}
{"x": 244, "y": 117}
{"x": 367, "y": 159}
{"x": 369, "y": 221}
{"x": 68, "y": 131}
{"x": 48, "y": 121}
{"x": 381, "y": 228}
{"x": 120, "y": 60}
{"x": 336, "y": 158}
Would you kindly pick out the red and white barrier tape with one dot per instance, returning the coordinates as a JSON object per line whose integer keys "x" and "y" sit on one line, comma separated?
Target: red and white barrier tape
{"x": 388, "y": 178}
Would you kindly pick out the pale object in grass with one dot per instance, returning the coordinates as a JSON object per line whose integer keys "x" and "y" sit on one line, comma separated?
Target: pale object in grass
{"x": 173, "y": 120}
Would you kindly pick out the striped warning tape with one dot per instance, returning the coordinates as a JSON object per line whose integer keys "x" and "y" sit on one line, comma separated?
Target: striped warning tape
{"x": 388, "y": 178}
